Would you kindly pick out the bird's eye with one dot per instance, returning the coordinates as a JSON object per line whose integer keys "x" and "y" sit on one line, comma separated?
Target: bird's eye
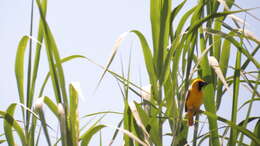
{"x": 200, "y": 84}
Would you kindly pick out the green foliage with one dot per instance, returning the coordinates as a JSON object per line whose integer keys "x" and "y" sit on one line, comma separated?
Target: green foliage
{"x": 169, "y": 81}
{"x": 179, "y": 52}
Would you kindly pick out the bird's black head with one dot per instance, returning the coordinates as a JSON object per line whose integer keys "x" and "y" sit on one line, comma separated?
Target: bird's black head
{"x": 202, "y": 84}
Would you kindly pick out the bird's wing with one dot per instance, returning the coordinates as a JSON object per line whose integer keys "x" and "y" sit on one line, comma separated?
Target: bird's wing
{"x": 188, "y": 95}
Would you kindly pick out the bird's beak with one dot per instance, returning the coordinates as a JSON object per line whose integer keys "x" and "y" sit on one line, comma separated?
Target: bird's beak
{"x": 205, "y": 83}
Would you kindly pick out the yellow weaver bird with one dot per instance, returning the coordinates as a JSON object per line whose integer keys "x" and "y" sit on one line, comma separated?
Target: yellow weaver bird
{"x": 194, "y": 99}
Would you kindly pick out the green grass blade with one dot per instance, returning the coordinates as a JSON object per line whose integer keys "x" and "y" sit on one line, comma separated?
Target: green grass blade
{"x": 115, "y": 133}
{"x": 32, "y": 131}
{"x": 86, "y": 137}
{"x": 196, "y": 130}
{"x": 140, "y": 128}
{"x": 163, "y": 36}
{"x": 174, "y": 13}
{"x": 13, "y": 123}
{"x": 246, "y": 132}
{"x": 155, "y": 17}
{"x": 52, "y": 106}
{"x": 148, "y": 58}
{"x": 54, "y": 58}
{"x": 257, "y": 133}
{"x": 19, "y": 68}
{"x": 169, "y": 54}
{"x": 111, "y": 58}
{"x": 8, "y": 127}
{"x": 209, "y": 95}
{"x": 132, "y": 136}
{"x": 248, "y": 120}
{"x": 2, "y": 141}
{"x": 248, "y": 101}
{"x": 63, "y": 60}
{"x": 29, "y": 70}
{"x": 242, "y": 33}
{"x": 59, "y": 65}
{"x": 233, "y": 132}
{"x": 100, "y": 138}
{"x": 36, "y": 65}
{"x": 183, "y": 20}
{"x": 38, "y": 47}
{"x": 181, "y": 138}
{"x": 223, "y": 63}
{"x": 237, "y": 45}
{"x": 38, "y": 137}
{"x": 63, "y": 124}
{"x": 73, "y": 116}
{"x": 98, "y": 113}
{"x": 198, "y": 24}
{"x": 249, "y": 109}
{"x": 44, "y": 125}
{"x": 127, "y": 117}
{"x": 245, "y": 64}
{"x": 217, "y": 39}
{"x": 39, "y": 109}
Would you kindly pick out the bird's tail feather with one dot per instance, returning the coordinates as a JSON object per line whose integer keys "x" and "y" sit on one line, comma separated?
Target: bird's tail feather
{"x": 190, "y": 118}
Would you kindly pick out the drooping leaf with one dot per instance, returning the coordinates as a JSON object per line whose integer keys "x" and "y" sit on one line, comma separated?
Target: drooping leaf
{"x": 86, "y": 137}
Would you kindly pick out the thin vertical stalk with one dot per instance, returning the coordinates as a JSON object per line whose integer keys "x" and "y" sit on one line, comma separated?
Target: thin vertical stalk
{"x": 29, "y": 100}
{"x": 248, "y": 112}
{"x": 233, "y": 132}
{"x": 195, "y": 133}
{"x": 160, "y": 111}
{"x": 35, "y": 71}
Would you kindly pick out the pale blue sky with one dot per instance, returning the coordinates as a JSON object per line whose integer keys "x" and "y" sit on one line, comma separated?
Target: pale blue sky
{"x": 88, "y": 28}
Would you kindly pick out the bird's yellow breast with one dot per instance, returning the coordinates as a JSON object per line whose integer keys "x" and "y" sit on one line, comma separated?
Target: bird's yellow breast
{"x": 195, "y": 99}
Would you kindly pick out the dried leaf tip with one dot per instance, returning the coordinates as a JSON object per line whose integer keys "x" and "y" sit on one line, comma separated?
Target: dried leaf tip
{"x": 146, "y": 92}
{"x": 39, "y": 103}
{"x": 61, "y": 110}
{"x": 77, "y": 87}
{"x": 215, "y": 65}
